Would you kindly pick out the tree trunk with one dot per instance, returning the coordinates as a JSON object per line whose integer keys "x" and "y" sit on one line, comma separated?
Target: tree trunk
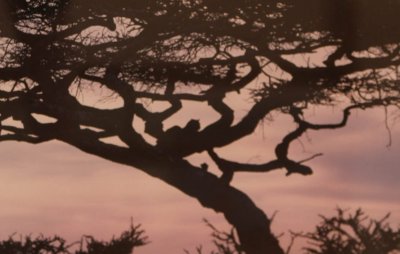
{"x": 251, "y": 223}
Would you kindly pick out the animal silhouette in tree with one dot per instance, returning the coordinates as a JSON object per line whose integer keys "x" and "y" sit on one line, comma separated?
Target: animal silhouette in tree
{"x": 178, "y": 51}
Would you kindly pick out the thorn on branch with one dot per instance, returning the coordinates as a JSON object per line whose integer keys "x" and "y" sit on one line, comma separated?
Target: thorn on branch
{"x": 311, "y": 158}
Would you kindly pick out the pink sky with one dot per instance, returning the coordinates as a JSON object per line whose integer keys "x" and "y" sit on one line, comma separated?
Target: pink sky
{"x": 54, "y": 188}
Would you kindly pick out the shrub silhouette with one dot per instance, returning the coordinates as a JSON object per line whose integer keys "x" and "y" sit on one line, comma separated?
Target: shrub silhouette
{"x": 124, "y": 244}
{"x": 343, "y": 233}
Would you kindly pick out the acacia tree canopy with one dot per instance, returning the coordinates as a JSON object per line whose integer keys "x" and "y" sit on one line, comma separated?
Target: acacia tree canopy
{"x": 182, "y": 50}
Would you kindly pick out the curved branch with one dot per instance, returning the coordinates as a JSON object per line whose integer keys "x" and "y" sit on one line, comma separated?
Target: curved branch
{"x": 228, "y": 168}
{"x": 251, "y": 223}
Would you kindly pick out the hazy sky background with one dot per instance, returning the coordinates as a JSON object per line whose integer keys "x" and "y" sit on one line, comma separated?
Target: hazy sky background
{"x": 54, "y": 188}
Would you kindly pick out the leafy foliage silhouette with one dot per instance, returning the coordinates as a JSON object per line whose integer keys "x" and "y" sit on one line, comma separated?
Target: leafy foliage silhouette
{"x": 343, "y": 233}
{"x": 353, "y": 234}
{"x": 124, "y": 244}
{"x": 200, "y": 51}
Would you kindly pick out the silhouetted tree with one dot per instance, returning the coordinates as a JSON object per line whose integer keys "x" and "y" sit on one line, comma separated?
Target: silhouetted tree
{"x": 124, "y": 244}
{"x": 172, "y": 51}
{"x": 348, "y": 233}
{"x": 344, "y": 233}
